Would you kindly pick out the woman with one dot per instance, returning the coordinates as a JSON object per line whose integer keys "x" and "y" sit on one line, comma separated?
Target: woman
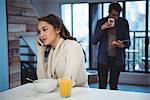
{"x": 58, "y": 54}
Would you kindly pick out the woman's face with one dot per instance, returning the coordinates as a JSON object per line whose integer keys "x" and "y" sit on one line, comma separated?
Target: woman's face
{"x": 47, "y": 33}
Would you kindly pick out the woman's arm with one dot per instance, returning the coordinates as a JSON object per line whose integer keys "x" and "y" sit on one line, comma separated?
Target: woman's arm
{"x": 41, "y": 63}
{"x": 74, "y": 62}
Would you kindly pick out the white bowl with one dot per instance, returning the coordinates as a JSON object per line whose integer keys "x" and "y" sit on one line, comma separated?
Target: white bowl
{"x": 45, "y": 85}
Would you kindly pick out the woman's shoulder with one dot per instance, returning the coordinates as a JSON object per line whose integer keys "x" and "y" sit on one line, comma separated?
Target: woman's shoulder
{"x": 72, "y": 43}
{"x": 74, "y": 48}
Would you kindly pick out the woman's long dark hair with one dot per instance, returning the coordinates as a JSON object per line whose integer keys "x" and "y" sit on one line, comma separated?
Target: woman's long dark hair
{"x": 57, "y": 22}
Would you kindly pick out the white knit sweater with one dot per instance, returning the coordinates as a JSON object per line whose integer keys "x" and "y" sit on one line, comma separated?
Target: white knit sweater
{"x": 66, "y": 60}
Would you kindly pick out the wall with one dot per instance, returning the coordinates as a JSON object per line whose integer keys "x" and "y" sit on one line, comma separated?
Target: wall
{"x": 21, "y": 21}
{"x": 3, "y": 47}
{"x": 44, "y": 7}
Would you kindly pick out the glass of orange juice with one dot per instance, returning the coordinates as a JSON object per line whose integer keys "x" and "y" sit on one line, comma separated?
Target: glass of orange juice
{"x": 65, "y": 86}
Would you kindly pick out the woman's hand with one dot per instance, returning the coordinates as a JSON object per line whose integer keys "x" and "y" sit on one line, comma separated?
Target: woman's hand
{"x": 39, "y": 41}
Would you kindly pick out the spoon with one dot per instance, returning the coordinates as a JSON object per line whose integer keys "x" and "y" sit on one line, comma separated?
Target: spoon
{"x": 31, "y": 80}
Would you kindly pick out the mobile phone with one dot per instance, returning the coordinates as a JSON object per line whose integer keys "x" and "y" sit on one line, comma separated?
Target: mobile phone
{"x": 40, "y": 42}
{"x": 124, "y": 41}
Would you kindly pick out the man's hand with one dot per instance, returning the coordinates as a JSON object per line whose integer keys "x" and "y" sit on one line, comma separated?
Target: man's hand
{"x": 106, "y": 25}
{"x": 118, "y": 44}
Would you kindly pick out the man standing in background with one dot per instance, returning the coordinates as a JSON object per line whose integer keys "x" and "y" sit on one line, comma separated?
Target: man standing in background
{"x": 112, "y": 34}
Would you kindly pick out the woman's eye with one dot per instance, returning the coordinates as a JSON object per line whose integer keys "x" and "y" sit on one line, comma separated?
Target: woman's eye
{"x": 44, "y": 30}
{"x": 38, "y": 32}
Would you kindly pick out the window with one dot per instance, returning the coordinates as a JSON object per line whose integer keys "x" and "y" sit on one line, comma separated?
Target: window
{"x": 66, "y": 16}
{"x": 105, "y": 9}
{"x": 81, "y": 26}
{"x": 81, "y": 20}
{"x": 79, "y": 15}
{"x": 135, "y": 14}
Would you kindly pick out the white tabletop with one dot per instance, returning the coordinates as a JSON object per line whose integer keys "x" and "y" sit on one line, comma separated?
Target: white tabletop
{"x": 27, "y": 92}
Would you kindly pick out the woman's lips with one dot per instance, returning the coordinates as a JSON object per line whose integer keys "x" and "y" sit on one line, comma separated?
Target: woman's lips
{"x": 44, "y": 40}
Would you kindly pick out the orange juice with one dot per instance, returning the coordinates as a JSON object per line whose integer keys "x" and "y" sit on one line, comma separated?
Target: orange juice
{"x": 65, "y": 86}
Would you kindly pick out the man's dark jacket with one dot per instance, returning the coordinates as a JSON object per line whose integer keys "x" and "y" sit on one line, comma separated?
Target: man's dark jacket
{"x": 101, "y": 36}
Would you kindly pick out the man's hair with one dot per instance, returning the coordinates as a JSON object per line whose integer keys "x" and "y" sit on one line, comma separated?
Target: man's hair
{"x": 115, "y": 6}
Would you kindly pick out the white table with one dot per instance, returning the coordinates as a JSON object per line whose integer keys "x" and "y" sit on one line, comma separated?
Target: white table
{"x": 26, "y": 92}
